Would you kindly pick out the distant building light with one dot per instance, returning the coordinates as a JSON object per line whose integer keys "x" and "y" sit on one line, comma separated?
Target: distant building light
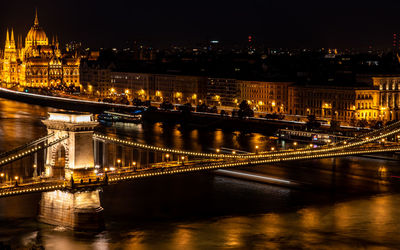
{"x": 214, "y": 41}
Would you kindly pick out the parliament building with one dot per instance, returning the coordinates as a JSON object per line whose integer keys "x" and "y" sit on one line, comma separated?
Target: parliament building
{"x": 38, "y": 63}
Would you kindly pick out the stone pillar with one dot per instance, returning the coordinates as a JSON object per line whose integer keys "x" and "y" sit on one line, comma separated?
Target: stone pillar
{"x": 105, "y": 154}
{"x": 78, "y": 211}
{"x": 96, "y": 152}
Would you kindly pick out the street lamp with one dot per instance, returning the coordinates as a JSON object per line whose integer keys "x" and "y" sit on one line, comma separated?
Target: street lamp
{"x": 233, "y": 152}
{"x": 257, "y": 149}
{"x": 166, "y": 157}
{"x": 119, "y": 162}
{"x": 183, "y": 158}
{"x": 218, "y": 150}
{"x": 134, "y": 165}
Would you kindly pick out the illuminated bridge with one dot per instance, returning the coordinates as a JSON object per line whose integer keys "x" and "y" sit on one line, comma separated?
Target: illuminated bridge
{"x": 71, "y": 163}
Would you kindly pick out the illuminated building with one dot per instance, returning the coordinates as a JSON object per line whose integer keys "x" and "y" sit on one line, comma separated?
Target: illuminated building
{"x": 389, "y": 96}
{"x": 38, "y": 63}
{"x": 265, "y": 96}
{"x": 336, "y": 103}
{"x": 367, "y": 104}
{"x": 222, "y": 91}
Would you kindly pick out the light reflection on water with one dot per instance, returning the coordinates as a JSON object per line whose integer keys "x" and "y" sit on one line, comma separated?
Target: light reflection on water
{"x": 203, "y": 211}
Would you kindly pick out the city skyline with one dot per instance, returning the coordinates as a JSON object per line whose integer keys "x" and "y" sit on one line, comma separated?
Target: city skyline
{"x": 161, "y": 24}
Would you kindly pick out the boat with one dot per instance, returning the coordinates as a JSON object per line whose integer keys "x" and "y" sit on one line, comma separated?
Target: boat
{"x": 125, "y": 117}
{"x": 309, "y": 136}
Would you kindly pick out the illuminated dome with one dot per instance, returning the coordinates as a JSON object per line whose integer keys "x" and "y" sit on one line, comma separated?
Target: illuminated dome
{"x": 36, "y": 35}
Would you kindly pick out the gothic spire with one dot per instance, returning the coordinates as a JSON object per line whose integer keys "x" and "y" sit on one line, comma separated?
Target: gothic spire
{"x": 7, "y": 40}
{"x": 36, "y": 18}
{"x": 12, "y": 35}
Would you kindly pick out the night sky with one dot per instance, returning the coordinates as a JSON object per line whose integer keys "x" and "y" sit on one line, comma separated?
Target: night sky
{"x": 292, "y": 24}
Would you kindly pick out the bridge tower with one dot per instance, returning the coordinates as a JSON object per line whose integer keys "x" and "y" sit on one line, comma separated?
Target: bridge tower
{"x": 71, "y": 158}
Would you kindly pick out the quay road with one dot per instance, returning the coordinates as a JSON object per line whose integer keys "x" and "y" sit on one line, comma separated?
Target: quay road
{"x": 93, "y": 106}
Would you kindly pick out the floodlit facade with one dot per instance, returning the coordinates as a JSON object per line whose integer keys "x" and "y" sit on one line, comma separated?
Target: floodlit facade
{"x": 268, "y": 97}
{"x": 37, "y": 63}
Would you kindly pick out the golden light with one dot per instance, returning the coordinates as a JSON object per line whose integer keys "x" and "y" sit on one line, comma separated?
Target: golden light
{"x": 112, "y": 90}
{"x": 134, "y": 163}
{"x": 272, "y": 149}
{"x": 217, "y": 97}
{"x": 311, "y": 145}
{"x": 105, "y": 169}
{"x": 273, "y": 104}
{"x": 178, "y": 94}
{"x": 158, "y": 93}
{"x": 119, "y": 161}
{"x": 167, "y": 156}
{"x": 127, "y": 91}
{"x": 194, "y": 96}
{"x": 234, "y": 152}
{"x": 2, "y": 175}
{"x": 260, "y": 103}
{"x": 383, "y": 140}
{"x": 295, "y": 143}
{"x": 235, "y": 101}
{"x": 16, "y": 177}
{"x": 218, "y": 150}
{"x": 183, "y": 157}
{"x": 257, "y": 147}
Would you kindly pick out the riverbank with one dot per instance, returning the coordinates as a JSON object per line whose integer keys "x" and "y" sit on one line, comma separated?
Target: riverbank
{"x": 188, "y": 120}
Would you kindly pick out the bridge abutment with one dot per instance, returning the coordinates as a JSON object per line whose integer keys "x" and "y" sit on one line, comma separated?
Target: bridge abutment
{"x": 78, "y": 211}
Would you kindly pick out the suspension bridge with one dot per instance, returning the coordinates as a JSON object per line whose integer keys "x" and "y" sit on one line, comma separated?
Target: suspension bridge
{"x": 71, "y": 163}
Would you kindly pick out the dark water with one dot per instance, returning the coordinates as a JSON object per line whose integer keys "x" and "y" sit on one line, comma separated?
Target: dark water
{"x": 341, "y": 204}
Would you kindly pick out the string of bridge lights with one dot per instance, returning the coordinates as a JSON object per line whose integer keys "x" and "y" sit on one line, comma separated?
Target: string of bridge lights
{"x": 344, "y": 145}
{"x": 30, "y": 151}
{"x": 113, "y": 179}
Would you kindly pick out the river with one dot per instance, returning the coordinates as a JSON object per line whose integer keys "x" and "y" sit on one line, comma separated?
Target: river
{"x": 341, "y": 203}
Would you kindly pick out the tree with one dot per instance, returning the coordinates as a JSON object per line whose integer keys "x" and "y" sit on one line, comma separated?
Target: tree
{"x": 166, "y": 105}
{"x": 202, "y": 108}
{"x": 312, "y": 122}
{"x": 335, "y": 125}
{"x": 245, "y": 110}
{"x": 362, "y": 123}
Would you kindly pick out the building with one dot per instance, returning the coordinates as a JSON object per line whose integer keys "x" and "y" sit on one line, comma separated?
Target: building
{"x": 367, "y": 104}
{"x": 222, "y": 92}
{"x": 330, "y": 103}
{"x": 104, "y": 80}
{"x": 271, "y": 97}
{"x": 134, "y": 85}
{"x": 179, "y": 89}
{"x": 95, "y": 78}
{"x": 38, "y": 63}
{"x": 389, "y": 95}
